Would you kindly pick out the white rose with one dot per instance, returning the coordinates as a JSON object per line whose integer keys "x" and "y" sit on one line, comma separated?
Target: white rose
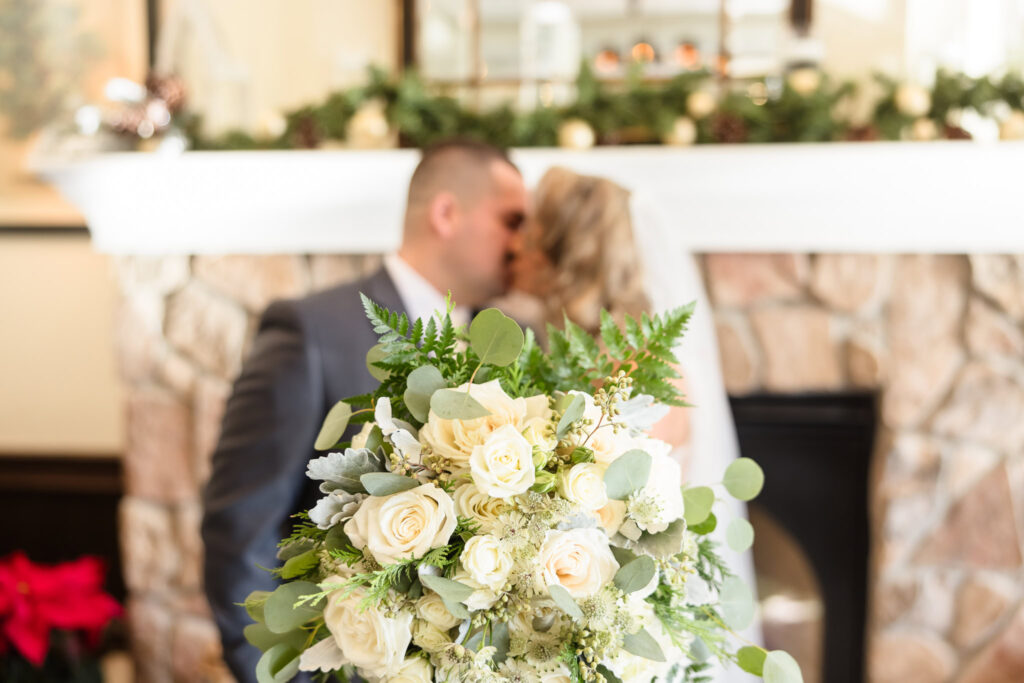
{"x": 559, "y": 675}
{"x": 368, "y": 639}
{"x": 579, "y": 560}
{"x": 583, "y": 484}
{"x": 456, "y": 439}
{"x": 539, "y": 434}
{"x": 487, "y": 561}
{"x": 403, "y": 525}
{"x": 611, "y": 516}
{"x": 473, "y": 503}
{"x": 429, "y": 638}
{"x": 359, "y": 440}
{"x": 482, "y": 596}
{"x": 431, "y": 609}
{"x": 664, "y": 485}
{"x": 414, "y": 670}
{"x": 503, "y": 465}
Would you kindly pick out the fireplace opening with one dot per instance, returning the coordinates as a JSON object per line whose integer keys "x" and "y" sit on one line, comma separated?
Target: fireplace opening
{"x": 811, "y": 522}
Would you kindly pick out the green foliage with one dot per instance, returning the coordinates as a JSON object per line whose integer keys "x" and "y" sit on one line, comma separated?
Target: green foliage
{"x": 628, "y": 473}
{"x": 743, "y": 479}
{"x": 710, "y": 566}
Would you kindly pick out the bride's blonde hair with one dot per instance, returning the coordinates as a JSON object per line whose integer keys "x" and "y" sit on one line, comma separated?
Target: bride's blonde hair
{"x": 586, "y": 233}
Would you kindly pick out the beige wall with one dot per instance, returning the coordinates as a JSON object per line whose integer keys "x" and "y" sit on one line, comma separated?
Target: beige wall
{"x": 59, "y": 391}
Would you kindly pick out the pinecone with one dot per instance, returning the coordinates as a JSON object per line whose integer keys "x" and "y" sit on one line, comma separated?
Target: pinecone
{"x": 728, "y": 127}
{"x": 955, "y": 133}
{"x": 170, "y": 89}
{"x": 866, "y": 133}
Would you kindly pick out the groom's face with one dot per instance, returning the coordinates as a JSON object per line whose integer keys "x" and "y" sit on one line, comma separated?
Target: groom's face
{"x": 490, "y": 225}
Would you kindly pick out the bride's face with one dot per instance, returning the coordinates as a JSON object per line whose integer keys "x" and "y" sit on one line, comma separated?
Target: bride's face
{"x": 531, "y": 269}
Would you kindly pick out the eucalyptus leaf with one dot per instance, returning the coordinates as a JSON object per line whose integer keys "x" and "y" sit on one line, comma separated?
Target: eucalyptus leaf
{"x": 334, "y": 426}
{"x": 376, "y": 353}
{"x": 697, "y": 502}
{"x": 501, "y": 640}
{"x": 780, "y": 667}
{"x": 737, "y": 603}
{"x": 387, "y": 483}
{"x": 452, "y": 593}
{"x": 374, "y": 440}
{"x": 739, "y": 534}
{"x": 280, "y": 612}
{"x": 699, "y": 651}
{"x": 751, "y": 659}
{"x": 496, "y": 338}
{"x": 263, "y": 638}
{"x": 278, "y": 664}
{"x": 337, "y": 539}
{"x": 572, "y": 413}
{"x": 420, "y": 386}
{"x": 293, "y": 548}
{"x": 707, "y": 526}
{"x": 665, "y": 543}
{"x": 643, "y": 644}
{"x": 453, "y": 404}
{"x": 635, "y": 575}
{"x": 627, "y": 473}
{"x": 743, "y": 479}
{"x": 609, "y": 677}
{"x": 565, "y": 602}
{"x": 254, "y": 603}
{"x": 622, "y": 555}
{"x": 298, "y": 565}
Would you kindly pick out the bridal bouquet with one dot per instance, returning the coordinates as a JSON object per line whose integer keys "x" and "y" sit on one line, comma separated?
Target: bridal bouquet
{"x": 502, "y": 516}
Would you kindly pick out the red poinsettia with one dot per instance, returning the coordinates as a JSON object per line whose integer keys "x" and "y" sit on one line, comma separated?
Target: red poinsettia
{"x": 34, "y": 599}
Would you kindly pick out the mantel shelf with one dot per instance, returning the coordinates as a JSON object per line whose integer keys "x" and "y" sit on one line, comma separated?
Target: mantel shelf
{"x": 939, "y": 197}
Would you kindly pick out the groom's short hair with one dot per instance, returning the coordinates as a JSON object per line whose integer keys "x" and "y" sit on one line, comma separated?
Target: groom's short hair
{"x": 457, "y": 165}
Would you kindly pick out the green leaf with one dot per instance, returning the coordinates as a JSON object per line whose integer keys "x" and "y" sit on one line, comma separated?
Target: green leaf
{"x": 627, "y": 473}
{"x": 635, "y": 575}
{"x": 565, "y": 601}
{"x": 665, "y": 543}
{"x": 780, "y": 667}
{"x": 375, "y": 354}
{"x": 278, "y": 664}
{"x": 743, "y": 479}
{"x": 572, "y": 413}
{"x": 337, "y": 539}
{"x": 452, "y": 404}
{"x": 299, "y": 565}
{"x": 609, "y": 677}
{"x": 622, "y": 555}
{"x": 707, "y": 526}
{"x": 739, "y": 534}
{"x": 421, "y": 385}
{"x": 254, "y": 603}
{"x": 698, "y": 502}
{"x": 280, "y": 612}
{"x": 263, "y": 638}
{"x": 495, "y": 338}
{"x": 334, "y": 426}
{"x": 737, "y": 603}
{"x": 387, "y": 483}
{"x": 452, "y": 593}
{"x": 501, "y": 640}
{"x": 374, "y": 440}
{"x": 751, "y": 659}
{"x": 643, "y": 644}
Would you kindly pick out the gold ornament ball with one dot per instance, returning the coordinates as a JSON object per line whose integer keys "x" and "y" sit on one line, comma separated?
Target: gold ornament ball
{"x": 700, "y": 103}
{"x": 804, "y": 81}
{"x": 1012, "y": 127}
{"x": 576, "y": 134}
{"x": 913, "y": 100}
{"x": 923, "y": 130}
{"x": 368, "y": 128}
{"x": 682, "y": 134}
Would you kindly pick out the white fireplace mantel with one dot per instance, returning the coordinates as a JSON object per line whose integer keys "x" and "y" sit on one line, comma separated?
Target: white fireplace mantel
{"x": 939, "y": 197}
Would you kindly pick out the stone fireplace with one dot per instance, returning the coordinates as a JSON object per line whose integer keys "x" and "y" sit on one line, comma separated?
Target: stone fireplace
{"x": 937, "y": 337}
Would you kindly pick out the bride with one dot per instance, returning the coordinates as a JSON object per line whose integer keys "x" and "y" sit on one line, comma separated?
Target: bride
{"x": 592, "y": 244}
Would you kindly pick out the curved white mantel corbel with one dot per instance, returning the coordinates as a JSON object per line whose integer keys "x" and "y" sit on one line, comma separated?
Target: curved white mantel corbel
{"x": 940, "y": 197}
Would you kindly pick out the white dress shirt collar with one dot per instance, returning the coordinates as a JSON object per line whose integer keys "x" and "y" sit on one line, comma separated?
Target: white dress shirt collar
{"x": 421, "y": 298}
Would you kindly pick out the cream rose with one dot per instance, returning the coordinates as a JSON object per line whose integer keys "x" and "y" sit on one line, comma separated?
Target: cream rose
{"x": 403, "y": 525}
{"x": 611, "y": 516}
{"x": 429, "y": 637}
{"x": 487, "y": 561}
{"x": 583, "y": 484}
{"x": 414, "y": 670}
{"x": 456, "y": 439}
{"x": 368, "y": 639}
{"x": 431, "y": 609}
{"x": 579, "y": 560}
{"x": 502, "y": 466}
{"x": 539, "y": 434}
{"x": 473, "y": 503}
{"x": 482, "y": 596}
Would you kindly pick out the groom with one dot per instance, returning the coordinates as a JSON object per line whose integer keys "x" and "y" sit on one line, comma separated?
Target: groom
{"x": 465, "y": 202}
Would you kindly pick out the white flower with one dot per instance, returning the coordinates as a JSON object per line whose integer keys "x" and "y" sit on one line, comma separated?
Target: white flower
{"x": 579, "y": 560}
{"x": 640, "y": 413}
{"x": 382, "y": 416}
{"x": 429, "y": 638}
{"x": 456, "y": 439}
{"x": 583, "y": 484}
{"x": 431, "y": 609}
{"x": 368, "y": 639}
{"x": 664, "y": 488}
{"x": 407, "y": 445}
{"x": 482, "y": 596}
{"x": 502, "y": 466}
{"x": 414, "y": 670}
{"x": 473, "y": 503}
{"x": 600, "y": 434}
{"x": 630, "y": 667}
{"x": 611, "y": 516}
{"x": 324, "y": 656}
{"x": 539, "y": 434}
{"x": 559, "y": 675}
{"x": 403, "y": 525}
{"x": 487, "y": 561}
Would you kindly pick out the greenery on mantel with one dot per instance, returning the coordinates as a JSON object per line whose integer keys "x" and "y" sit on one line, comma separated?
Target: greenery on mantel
{"x": 805, "y": 106}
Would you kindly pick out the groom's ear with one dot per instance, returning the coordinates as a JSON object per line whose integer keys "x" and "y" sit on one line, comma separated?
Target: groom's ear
{"x": 444, "y": 215}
